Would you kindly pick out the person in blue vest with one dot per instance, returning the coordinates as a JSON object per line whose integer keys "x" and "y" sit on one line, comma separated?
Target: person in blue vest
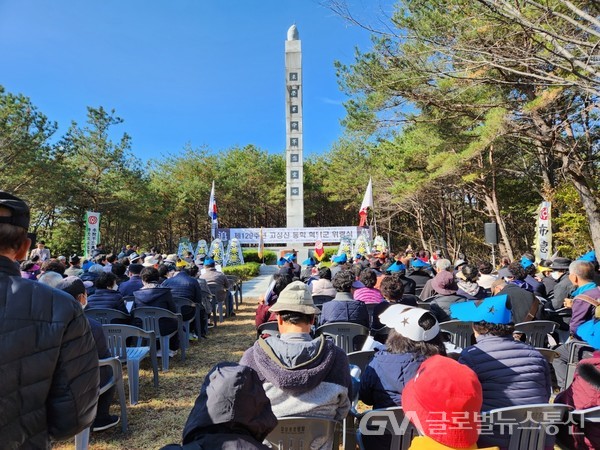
{"x": 511, "y": 372}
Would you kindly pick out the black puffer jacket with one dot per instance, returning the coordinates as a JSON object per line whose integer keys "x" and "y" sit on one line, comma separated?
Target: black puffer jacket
{"x": 231, "y": 412}
{"x": 48, "y": 363}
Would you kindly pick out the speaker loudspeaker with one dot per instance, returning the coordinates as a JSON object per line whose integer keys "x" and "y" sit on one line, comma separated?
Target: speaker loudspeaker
{"x": 490, "y": 231}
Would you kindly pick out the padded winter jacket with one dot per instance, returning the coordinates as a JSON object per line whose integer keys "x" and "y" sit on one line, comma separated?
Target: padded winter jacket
{"x": 583, "y": 393}
{"x": 107, "y": 298}
{"x": 231, "y": 412}
{"x": 511, "y": 373}
{"x": 48, "y": 363}
{"x": 343, "y": 308}
{"x": 386, "y": 375}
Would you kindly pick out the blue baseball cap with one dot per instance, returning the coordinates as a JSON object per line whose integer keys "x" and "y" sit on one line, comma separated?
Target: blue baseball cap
{"x": 340, "y": 259}
{"x": 590, "y": 332}
{"x": 396, "y": 267}
{"x": 492, "y": 310}
{"x": 309, "y": 262}
{"x": 526, "y": 262}
{"x": 589, "y": 256}
{"x": 419, "y": 264}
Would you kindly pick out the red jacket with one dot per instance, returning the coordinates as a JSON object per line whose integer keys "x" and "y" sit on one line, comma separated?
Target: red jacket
{"x": 583, "y": 393}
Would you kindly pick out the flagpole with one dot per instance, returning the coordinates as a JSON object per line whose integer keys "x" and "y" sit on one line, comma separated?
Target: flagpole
{"x": 373, "y": 207}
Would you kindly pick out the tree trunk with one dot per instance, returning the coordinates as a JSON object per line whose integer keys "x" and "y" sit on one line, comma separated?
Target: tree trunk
{"x": 592, "y": 208}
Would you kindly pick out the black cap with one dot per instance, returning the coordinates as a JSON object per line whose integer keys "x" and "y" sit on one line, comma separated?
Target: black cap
{"x": 74, "y": 286}
{"x": 18, "y": 208}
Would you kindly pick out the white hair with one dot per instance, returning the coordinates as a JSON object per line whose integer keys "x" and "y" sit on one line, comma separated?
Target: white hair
{"x": 51, "y": 278}
{"x": 583, "y": 269}
{"x": 443, "y": 264}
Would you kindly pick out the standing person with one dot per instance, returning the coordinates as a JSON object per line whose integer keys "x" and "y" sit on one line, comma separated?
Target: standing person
{"x": 41, "y": 252}
{"x": 50, "y": 386}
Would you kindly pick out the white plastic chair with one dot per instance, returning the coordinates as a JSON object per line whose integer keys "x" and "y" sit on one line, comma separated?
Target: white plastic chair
{"x": 117, "y": 336}
{"x": 82, "y": 439}
{"x": 530, "y": 427}
{"x": 343, "y": 333}
{"x": 294, "y": 433}
{"x": 150, "y": 317}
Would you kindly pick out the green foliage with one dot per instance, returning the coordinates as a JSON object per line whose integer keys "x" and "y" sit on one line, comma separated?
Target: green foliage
{"x": 251, "y": 255}
{"x": 244, "y": 271}
{"x": 572, "y": 238}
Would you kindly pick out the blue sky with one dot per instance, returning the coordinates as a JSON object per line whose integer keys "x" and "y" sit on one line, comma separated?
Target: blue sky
{"x": 204, "y": 72}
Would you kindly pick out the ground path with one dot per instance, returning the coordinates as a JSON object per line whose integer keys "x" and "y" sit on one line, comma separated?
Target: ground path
{"x": 159, "y": 417}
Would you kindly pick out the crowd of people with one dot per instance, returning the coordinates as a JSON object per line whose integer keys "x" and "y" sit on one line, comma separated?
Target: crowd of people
{"x": 404, "y": 299}
{"x": 50, "y": 350}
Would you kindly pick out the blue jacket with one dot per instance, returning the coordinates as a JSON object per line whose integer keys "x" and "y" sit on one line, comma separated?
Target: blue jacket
{"x": 183, "y": 285}
{"x": 106, "y": 298}
{"x": 127, "y": 288}
{"x": 386, "y": 375}
{"x": 343, "y": 308}
{"x": 158, "y": 297}
{"x": 511, "y": 373}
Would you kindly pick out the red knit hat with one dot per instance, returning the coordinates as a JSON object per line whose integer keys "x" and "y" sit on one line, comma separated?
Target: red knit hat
{"x": 445, "y": 397}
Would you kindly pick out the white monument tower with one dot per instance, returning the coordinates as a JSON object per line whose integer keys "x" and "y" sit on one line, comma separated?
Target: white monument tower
{"x": 293, "y": 114}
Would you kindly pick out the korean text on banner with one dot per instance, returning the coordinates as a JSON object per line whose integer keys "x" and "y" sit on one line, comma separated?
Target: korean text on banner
{"x": 544, "y": 232}
{"x": 92, "y": 232}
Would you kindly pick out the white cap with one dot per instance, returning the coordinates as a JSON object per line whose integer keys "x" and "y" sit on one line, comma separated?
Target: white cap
{"x": 405, "y": 321}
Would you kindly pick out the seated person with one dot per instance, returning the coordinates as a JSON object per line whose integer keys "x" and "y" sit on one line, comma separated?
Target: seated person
{"x": 153, "y": 295}
{"x": 581, "y": 274}
{"x": 103, "y": 421}
{"x": 445, "y": 287}
{"x": 322, "y": 287}
{"x": 343, "y": 308}
{"x": 368, "y": 294}
{"x": 127, "y": 288}
{"x": 443, "y": 401}
{"x": 467, "y": 282}
{"x": 263, "y": 313}
{"x": 392, "y": 290}
{"x": 302, "y": 376}
{"x": 399, "y": 269}
{"x": 583, "y": 393}
{"x": 232, "y": 411}
{"x": 106, "y": 294}
{"x": 414, "y": 336}
{"x": 512, "y": 373}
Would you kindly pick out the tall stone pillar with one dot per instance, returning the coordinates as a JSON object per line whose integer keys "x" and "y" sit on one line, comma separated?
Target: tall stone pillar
{"x": 293, "y": 114}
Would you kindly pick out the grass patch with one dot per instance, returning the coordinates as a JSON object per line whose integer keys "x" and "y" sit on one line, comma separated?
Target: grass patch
{"x": 160, "y": 415}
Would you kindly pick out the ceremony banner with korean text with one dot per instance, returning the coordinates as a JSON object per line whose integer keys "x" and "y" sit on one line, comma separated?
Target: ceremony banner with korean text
{"x": 543, "y": 247}
{"x": 282, "y": 235}
{"x": 92, "y": 232}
